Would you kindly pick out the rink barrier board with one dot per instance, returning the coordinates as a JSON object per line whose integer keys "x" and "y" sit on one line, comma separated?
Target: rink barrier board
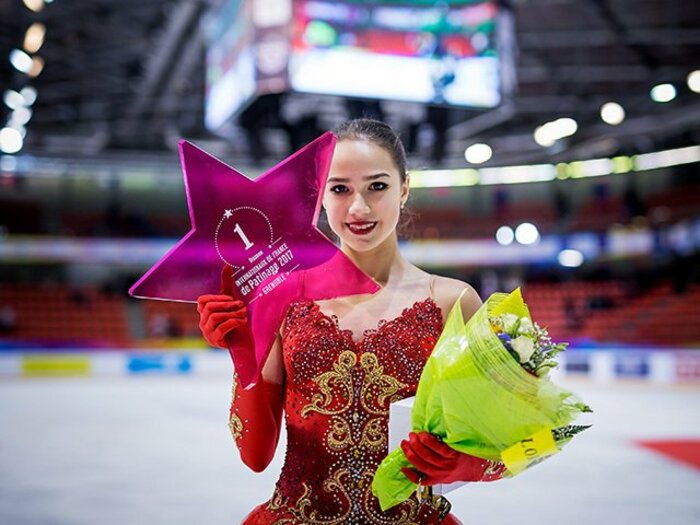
{"x": 662, "y": 366}
{"x": 56, "y": 365}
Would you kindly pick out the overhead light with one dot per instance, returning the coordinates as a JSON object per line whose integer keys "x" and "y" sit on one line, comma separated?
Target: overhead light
{"x": 516, "y": 174}
{"x": 37, "y": 66}
{"x": 565, "y": 127}
{"x": 669, "y": 157}
{"x": 694, "y": 80}
{"x": 505, "y": 235}
{"x": 478, "y": 153}
{"x": 612, "y": 113}
{"x": 34, "y": 37}
{"x": 527, "y": 233}
{"x": 570, "y": 258}
{"x": 544, "y": 137}
{"x": 34, "y": 5}
{"x": 12, "y": 99}
{"x": 29, "y": 94}
{"x": 562, "y": 170}
{"x": 548, "y": 133}
{"x": 10, "y": 140}
{"x": 444, "y": 178}
{"x": 20, "y": 60}
{"x": 17, "y": 127}
{"x": 21, "y": 115}
{"x": 663, "y": 93}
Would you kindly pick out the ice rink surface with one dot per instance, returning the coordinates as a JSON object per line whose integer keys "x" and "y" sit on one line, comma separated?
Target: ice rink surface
{"x": 157, "y": 450}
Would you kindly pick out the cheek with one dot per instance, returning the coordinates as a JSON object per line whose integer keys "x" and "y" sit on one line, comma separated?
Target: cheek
{"x": 391, "y": 204}
{"x": 395, "y": 215}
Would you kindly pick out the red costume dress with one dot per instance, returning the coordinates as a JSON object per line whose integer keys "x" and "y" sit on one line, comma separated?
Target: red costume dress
{"x": 337, "y": 397}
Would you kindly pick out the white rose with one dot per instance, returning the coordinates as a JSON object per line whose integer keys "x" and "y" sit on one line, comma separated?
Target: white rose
{"x": 524, "y": 347}
{"x": 508, "y": 321}
{"x": 525, "y": 326}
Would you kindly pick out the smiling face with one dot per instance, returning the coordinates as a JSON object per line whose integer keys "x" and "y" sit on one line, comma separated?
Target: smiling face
{"x": 363, "y": 195}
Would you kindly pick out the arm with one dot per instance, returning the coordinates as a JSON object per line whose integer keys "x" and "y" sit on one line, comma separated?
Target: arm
{"x": 255, "y": 415}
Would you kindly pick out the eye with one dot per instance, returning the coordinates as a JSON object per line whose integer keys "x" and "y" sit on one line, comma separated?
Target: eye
{"x": 339, "y": 188}
{"x": 378, "y": 186}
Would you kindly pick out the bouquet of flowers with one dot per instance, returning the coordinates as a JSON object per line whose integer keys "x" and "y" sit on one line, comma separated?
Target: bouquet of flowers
{"x": 485, "y": 391}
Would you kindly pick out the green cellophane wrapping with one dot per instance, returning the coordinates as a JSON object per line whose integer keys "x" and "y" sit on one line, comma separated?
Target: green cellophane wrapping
{"x": 476, "y": 396}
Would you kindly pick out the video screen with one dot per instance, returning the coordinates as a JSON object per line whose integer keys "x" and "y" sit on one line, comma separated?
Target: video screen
{"x": 230, "y": 62}
{"x": 431, "y": 52}
{"x": 447, "y": 53}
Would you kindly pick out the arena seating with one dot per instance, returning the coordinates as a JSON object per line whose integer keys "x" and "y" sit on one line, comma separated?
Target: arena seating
{"x": 59, "y": 314}
{"x": 602, "y": 313}
{"x": 169, "y": 319}
{"x": 598, "y": 312}
{"x": 674, "y": 204}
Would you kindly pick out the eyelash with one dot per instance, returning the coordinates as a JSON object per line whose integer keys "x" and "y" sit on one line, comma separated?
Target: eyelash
{"x": 383, "y": 186}
{"x": 375, "y": 186}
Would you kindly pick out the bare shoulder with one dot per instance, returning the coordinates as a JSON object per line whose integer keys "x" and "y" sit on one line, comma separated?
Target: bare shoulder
{"x": 447, "y": 291}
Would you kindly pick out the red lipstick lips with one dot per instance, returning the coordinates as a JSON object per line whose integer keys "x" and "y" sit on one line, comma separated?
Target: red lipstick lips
{"x": 361, "y": 228}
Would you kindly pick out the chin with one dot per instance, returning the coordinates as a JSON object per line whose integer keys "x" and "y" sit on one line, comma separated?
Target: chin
{"x": 362, "y": 245}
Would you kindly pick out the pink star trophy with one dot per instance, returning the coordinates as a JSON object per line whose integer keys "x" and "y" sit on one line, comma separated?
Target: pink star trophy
{"x": 260, "y": 234}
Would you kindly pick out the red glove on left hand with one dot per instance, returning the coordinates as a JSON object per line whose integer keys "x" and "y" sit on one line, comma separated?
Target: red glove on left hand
{"x": 435, "y": 462}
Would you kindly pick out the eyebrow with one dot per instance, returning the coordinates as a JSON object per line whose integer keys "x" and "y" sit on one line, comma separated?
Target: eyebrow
{"x": 366, "y": 177}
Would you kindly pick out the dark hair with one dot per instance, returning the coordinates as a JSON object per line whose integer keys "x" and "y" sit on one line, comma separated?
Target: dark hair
{"x": 378, "y": 132}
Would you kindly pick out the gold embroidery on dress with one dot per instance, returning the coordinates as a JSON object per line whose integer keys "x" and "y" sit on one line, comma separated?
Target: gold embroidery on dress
{"x": 341, "y": 375}
{"x": 374, "y": 394}
{"x": 276, "y": 500}
{"x": 339, "y": 433}
{"x": 374, "y": 381}
{"x": 374, "y": 376}
{"x": 373, "y": 435}
{"x": 300, "y": 512}
{"x": 234, "y": 422}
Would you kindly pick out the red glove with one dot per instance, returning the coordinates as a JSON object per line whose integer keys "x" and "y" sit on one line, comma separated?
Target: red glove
{"x": 224, "y": 323}
{"x": 435, "y": 462}
{"x": 219, "y": 315}
{"x": 255, "y": 418}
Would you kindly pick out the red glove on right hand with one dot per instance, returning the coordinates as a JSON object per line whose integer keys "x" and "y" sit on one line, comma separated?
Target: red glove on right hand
{"x": 256, "y": 413}
{"x": 220, "y": 315}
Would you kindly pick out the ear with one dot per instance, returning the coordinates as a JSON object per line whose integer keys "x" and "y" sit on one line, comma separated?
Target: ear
{"x": 405, "y": 190}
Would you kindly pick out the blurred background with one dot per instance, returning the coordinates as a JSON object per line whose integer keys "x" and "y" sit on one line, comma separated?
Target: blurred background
{"x": 554, "y": 145}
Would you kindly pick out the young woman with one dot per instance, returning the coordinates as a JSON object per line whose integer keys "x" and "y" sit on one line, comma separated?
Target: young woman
{"x": 338, "y": 364}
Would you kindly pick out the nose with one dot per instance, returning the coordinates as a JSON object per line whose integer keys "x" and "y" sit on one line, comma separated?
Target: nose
{"x": 359, "y": 206}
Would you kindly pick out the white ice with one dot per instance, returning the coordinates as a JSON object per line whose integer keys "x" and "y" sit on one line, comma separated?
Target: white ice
{"x": 152, "y": 450}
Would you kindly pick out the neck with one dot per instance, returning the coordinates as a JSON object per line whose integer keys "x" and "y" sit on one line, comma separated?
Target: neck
{"x": 381, "y": 263}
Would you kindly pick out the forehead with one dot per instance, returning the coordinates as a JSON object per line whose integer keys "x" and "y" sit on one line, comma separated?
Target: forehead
{"x": 360, "y": 158}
